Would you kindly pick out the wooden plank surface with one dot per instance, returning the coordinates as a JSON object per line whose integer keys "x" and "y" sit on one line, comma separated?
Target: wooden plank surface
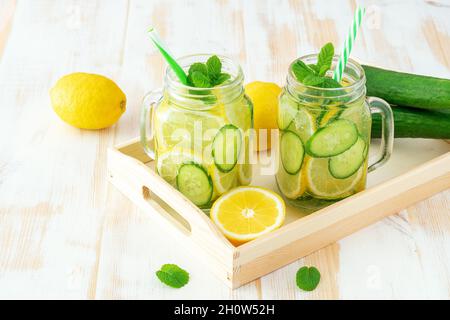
{"x": 66, "y": 233}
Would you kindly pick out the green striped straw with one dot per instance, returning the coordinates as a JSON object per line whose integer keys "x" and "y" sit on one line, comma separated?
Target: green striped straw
{"x": 170, "y": 60}
{"x": 348, "y": 44}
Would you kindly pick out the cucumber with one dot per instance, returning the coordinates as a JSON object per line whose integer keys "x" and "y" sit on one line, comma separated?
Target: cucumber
{"x": 333, "y": 139}
{"x": 407, "y": 89}
{"x": 347, "y": 163}
{"x": 194, "y": 182}
{"x": 291, "y": 152}
{"x": 415, "y": 123}
{"x": 227, "y": 147}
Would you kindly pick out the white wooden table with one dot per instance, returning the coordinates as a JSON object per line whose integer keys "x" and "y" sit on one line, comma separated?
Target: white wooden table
{"x": 66, "y": 233}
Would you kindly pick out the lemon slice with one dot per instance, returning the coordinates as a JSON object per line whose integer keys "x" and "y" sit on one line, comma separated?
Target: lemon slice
{"x": 323, "y": 185}
{"x": 185, "y": 129}
{"x": 224, "y": 181}
{"x": 240, "y": 113}
{"x": 245, "y": 171}
{"x": 291, "y": 186}
{"x": 246, "y": 213}
{"x": 303, "y": 124}
{"x": 287, "y": 110}
{"x": 169, "y": 162}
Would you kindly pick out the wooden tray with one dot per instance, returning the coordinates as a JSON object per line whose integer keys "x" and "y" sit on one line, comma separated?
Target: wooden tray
{"x": 418, "y": 169}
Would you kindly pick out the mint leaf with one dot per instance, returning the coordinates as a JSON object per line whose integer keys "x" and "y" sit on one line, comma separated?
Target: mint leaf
{"x": 307, "y": 278}
{"x": 301, "y": 70}
{"x": 198, "y": 67}
{"x": 200, "y": 80}
{"x": 207, "y": 75}
{"x": 222, "y": 78}
{"x": 173, "y": 276}
{"x": 314, "y": 68}
{"x": 330, "y": 83}
{"x": 214, "y": 66}
{"x": 325, "y": 58}
{"x": 313, "y": 80}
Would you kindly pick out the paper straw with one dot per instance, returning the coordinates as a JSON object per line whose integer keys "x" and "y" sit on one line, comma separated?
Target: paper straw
{"x": 165, "y": 52}
{"x": 348, "y": 44}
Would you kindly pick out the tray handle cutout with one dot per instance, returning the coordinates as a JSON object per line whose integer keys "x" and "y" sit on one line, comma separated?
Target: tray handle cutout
{"x": 166, "y": 211}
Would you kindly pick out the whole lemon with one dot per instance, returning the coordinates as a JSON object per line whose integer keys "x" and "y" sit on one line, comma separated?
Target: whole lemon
{"x": 88, "y": 101}
{"x": 264, "y": 96}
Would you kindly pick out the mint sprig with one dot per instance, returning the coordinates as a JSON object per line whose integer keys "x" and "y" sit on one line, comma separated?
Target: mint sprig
{"x": 173, "y": 276}
{"x": 315, "y": 74}
{"x": 207, "y": 75}
{"x": 308, "y": 278}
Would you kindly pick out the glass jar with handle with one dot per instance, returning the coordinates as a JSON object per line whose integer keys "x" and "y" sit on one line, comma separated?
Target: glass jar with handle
{"x": 325, "y": 137}
{"x": 201, "y": 135}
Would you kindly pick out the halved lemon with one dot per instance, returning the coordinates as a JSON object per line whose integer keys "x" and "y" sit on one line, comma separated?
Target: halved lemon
{"x": 246, "y": 213}
{"x": 323, "y": 185}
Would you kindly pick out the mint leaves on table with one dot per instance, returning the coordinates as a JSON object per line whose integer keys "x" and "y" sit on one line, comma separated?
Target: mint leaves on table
{"x": 315, "y": 74}
{"x": 307, "y": 278}
{"x": 207, "y": 75}
{"x": 173, "y": 276}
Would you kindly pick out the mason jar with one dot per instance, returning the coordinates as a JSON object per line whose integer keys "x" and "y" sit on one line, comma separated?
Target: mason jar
{"x": 201, "y": 135}
{"x": 325, "y": 138}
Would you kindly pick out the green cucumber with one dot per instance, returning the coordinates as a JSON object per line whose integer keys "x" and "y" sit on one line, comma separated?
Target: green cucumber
{"x": 347, "y": 163}
{"x": 194, "y": 182}
{"x": 227, "y": 146}
{"x": 291, "y": 152}
{"x": 415, "y": 123}
{"x": 333, "y": 139}
{"x": 405, "y": 89}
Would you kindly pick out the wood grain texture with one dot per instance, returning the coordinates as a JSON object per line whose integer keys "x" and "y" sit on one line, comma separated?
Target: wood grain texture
{"x": 66, "y": 233}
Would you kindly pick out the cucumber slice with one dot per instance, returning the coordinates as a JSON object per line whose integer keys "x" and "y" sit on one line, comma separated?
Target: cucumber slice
{"x": 194, "y": 182}
{"x": 347, "y": 163}
{"x": 291, "y": 152}
{"x": 227, "y": 147}
{"x": 333, "y": 139}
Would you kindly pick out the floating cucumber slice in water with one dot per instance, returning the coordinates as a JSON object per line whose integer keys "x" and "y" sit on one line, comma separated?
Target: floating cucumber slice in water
{"x": 291, "y": 152}
{"x": 194, "y": 182}
{"x": 169, "y": 162}
{"x": 347, "y": 163}
{"x": 333, "y": 139}
{"x": 227, "y": 147}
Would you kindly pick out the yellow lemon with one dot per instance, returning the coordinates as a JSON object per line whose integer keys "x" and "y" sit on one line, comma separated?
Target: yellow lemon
{"x": 264, "y": 96}
{"x": 246, "y": 213}
{"x": 88, "y": 101}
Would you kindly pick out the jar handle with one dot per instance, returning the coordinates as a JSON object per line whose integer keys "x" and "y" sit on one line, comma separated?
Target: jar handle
{"x": 380, "y": 106}
{"x": 149, "y": 104}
